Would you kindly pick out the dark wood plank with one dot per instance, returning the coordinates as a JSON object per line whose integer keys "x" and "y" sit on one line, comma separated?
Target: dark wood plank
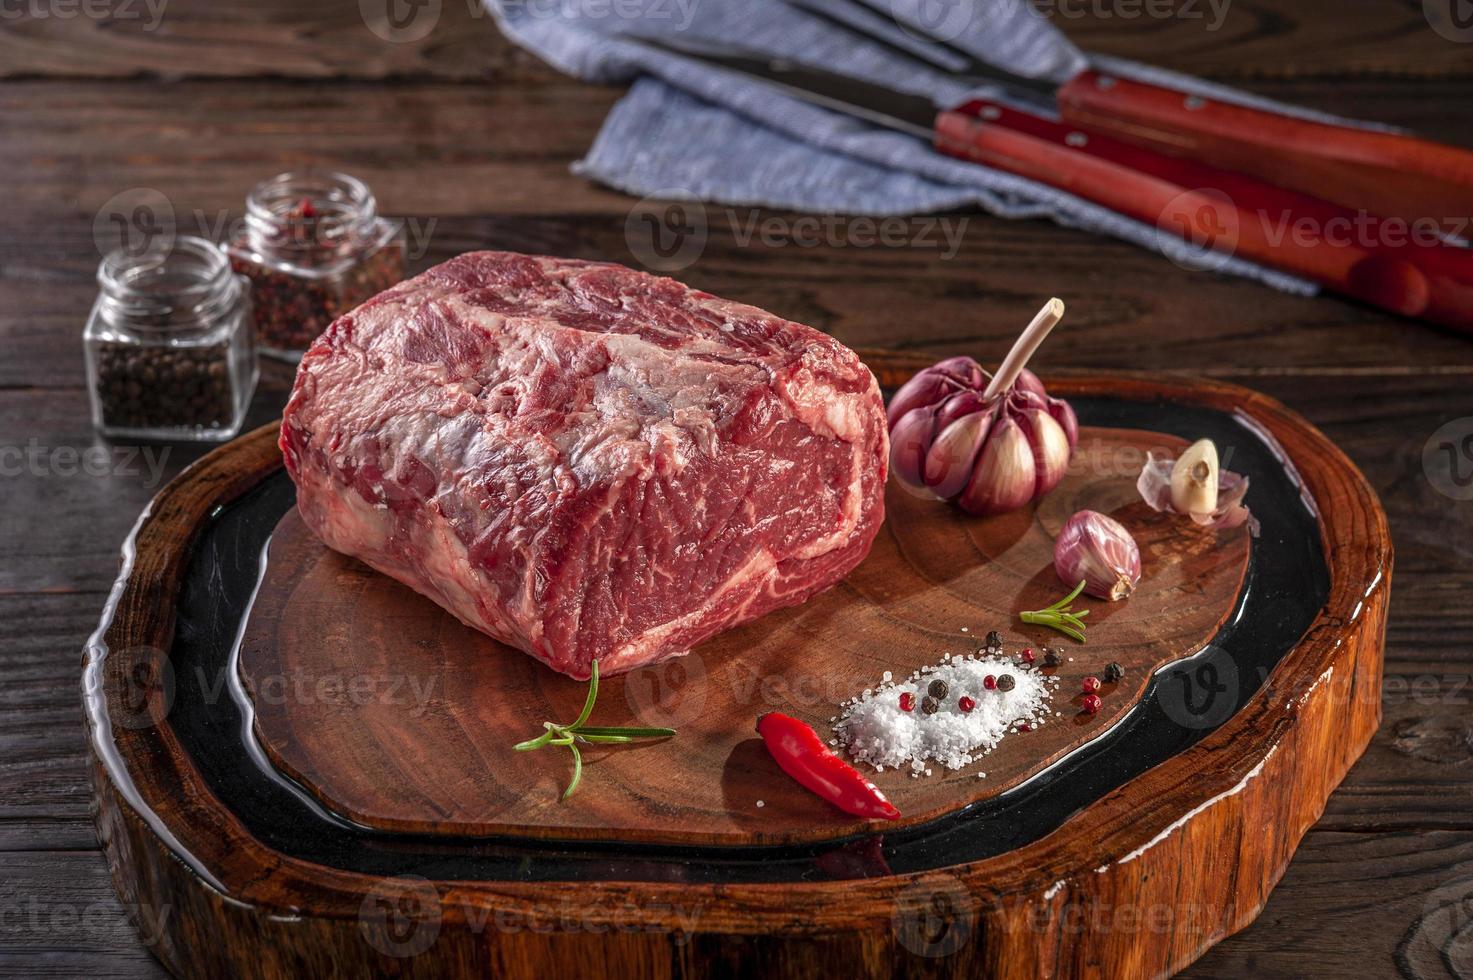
{"x": 1261, "y": 39}
{"x": 426, "y": 149}
{"x": 62, "y": 919}
{"x": 343, "y": 39}
{"x": 456, "y": 39}
{"x": 1360, "y": 905}
{"x": 490, "y": 147}
{"x": 42, "y": 740}
{"x": 71, "y": 498}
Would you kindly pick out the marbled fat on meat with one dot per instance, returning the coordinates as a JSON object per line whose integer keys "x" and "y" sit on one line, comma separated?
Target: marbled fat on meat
{"x": 584, "y": 461}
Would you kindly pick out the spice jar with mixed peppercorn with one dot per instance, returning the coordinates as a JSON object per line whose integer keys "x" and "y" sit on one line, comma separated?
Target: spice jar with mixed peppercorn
{"x": 169, "y": 346}
{"x": 314, "y": 246}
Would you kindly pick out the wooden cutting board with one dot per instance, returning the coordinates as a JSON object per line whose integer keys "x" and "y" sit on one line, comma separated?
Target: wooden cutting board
{"x": 400, "y": 718}
{"x": 308, "y": 769}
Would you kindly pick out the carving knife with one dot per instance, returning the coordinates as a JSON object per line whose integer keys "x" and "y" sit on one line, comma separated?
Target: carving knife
{"x": 1383, "y": 173}
{"x": 1218, "y": 212}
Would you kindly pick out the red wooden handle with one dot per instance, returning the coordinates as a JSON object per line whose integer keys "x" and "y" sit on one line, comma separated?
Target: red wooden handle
{"x": 1224, "y": 213}
{"x": 1382, "y": 173}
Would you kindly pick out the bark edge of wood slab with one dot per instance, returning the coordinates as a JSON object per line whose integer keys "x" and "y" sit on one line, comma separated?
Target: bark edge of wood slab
{"x": 1139, "y": 882}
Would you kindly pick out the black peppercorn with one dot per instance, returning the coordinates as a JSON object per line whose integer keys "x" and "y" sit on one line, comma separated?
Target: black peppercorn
{"x": 1051, "y": 657}
{"x": 164, "y": 387}
{"x": 937, "y": 689}
{"x": 994, "y": 640}
{"x": 1113, "y": 672}
{"x": 930, "y": 705}
{"x": 1006, "y": 682}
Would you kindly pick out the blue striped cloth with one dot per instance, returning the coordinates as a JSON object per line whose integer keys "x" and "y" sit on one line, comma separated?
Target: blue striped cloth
{"x": 685, "y": 129}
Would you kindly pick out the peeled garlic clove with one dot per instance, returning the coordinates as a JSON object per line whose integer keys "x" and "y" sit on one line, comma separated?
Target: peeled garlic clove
{"x": 1004, "y": 477}
{"x": 1194, "y": 479}
{"x": 910, "y": 441}
{"x": 1063, "y": 414}
{"x": 1099, "y": 551}
{"x": 949, "y": 464}
{"x": 1050, "y": 449}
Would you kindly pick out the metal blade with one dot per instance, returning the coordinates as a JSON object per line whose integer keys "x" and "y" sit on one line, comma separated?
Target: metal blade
{"x": 914, "y": 114}
{"x": 962, "y": 65}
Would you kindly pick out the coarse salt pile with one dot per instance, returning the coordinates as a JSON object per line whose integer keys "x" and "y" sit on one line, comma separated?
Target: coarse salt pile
{"x": 876, "y": 729}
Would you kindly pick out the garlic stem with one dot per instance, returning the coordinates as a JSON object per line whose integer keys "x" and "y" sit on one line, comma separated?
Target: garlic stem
{"x": 1024, "y": 346}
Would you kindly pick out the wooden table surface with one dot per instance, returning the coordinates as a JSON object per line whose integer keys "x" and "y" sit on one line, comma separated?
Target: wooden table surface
{"x": 474, "y": 138}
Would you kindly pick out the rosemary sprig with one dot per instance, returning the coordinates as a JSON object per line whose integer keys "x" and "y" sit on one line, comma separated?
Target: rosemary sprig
{"x": 570, "y": 736}
{"x": 1060, "y": 617}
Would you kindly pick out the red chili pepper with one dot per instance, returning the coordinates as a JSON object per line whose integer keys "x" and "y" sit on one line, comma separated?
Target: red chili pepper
{"x": 802, "y": 755}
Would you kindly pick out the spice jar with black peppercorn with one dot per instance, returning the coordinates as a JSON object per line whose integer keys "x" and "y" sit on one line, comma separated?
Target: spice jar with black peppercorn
{"x": 169, "y": 346}
{"x": 314, "y": 246}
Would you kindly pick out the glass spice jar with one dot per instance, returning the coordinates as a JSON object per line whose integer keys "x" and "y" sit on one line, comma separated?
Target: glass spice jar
{"x": 170, "y": 351}
{"x": 314, "y": 246}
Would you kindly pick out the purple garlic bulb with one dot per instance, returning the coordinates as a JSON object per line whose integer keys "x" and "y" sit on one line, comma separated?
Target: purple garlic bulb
{"x": 992, "y": 444}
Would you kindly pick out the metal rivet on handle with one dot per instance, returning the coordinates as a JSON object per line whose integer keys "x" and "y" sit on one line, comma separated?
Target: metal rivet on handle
{"x": 1076, "y": 139}
{"x": 1194, "y": 102}
{"x": 991, "y": 112}
{"x": 1104, "y": 81}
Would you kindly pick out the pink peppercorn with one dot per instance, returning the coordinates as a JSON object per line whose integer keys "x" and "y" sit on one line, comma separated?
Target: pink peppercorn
{"x": 1027, "y": 655}
{"x": 965, "y": 703}
{"x": 989, "y": 682}
{"x": 1091, "y": 703}
{"x": 907, "y": 701}
{"x": 1091, "y": 685}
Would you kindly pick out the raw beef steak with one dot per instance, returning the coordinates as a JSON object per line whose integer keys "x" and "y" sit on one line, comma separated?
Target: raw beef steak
{"x": 584, "y": 461}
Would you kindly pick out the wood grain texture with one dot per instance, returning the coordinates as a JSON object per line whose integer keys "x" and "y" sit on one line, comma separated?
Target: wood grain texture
{"x": 456, "y": 39}
{"x": 428, "y": 750}
{"x": 1202, "y": 837}
{"x": 446, "y": 39}
{"x": 1377, "y": 390}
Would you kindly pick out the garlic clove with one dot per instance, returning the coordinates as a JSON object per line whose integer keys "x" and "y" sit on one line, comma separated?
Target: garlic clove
{"x": 964, "y": 371}
{"x": 1063, "y": 414}
{"x": 1097, "y": 550}
{"x": 1051, "y": 449}
{"x": 1004, "y": 476}
{"x": 948, "y": 466}
{"x": 958, "y": 405}
{"x": 924, "y": 389}
{"x": 1194, "y": 479}
{"x": 910, "y": 441}
{"x": 934, "y": 384}
{"x": 1028, "y": 381}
